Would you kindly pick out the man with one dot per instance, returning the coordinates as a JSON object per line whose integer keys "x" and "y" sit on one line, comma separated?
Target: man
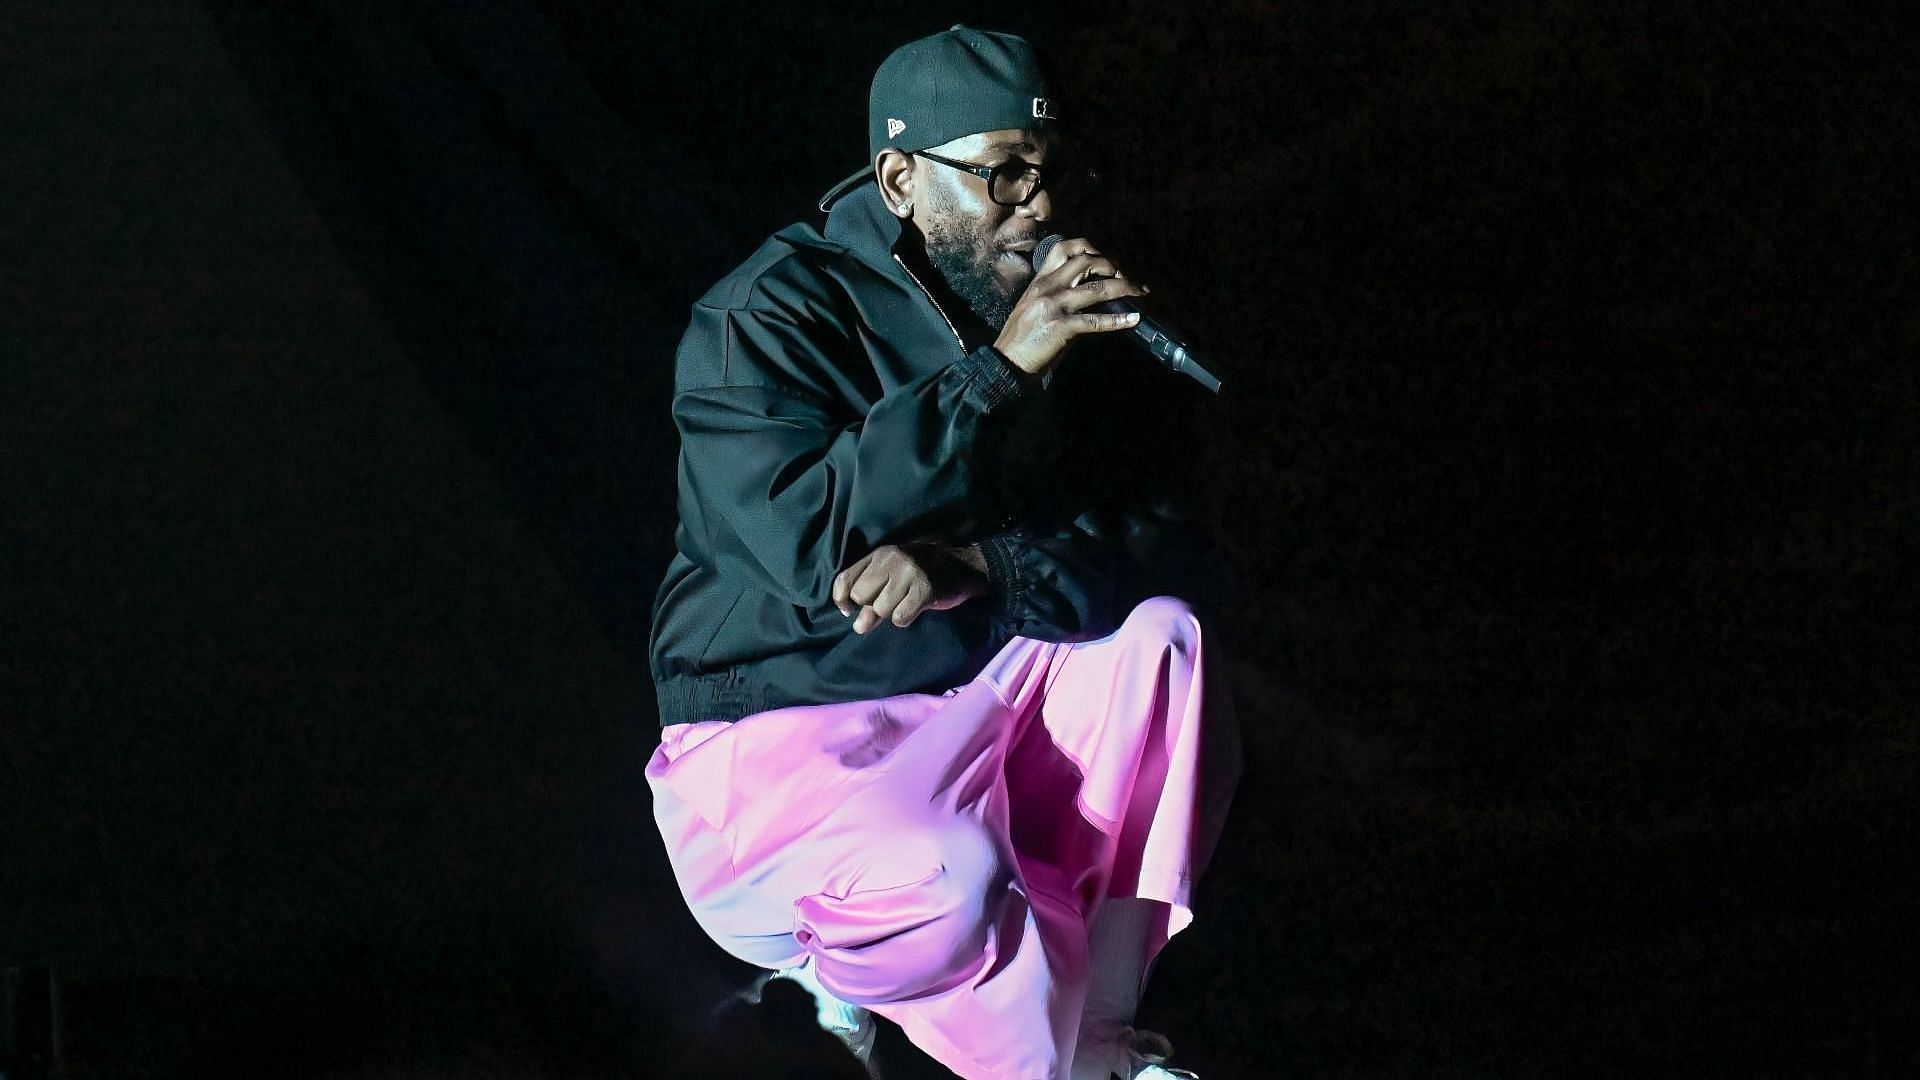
{"x": 912, "y": 756}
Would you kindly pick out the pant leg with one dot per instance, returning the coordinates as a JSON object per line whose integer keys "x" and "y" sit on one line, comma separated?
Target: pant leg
{"x": 1122, "y": 788}
{"x": 941, "y": 858}
{"x": 1115, "y": 783}
{"x": 872, "y": 836}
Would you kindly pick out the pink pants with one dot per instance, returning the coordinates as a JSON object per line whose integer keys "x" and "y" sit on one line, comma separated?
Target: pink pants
{"x": 942, "y": 857}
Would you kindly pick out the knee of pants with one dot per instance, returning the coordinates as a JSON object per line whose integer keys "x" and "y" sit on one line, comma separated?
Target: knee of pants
{"x": 1161, "y": 620}
{"x": 925, "y": 936}
{"x": 1164, "y": 620}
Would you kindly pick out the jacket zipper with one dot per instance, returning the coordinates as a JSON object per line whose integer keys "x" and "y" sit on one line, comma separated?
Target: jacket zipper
{"x": 936, "y": 306}
{"x": 1008, "y": 521}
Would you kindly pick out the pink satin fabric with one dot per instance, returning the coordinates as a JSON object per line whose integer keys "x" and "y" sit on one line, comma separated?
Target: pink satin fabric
{"x": 942, "y": 856}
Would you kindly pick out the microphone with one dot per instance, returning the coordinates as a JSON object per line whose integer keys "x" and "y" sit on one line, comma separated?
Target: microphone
{"x": 1164, "y": 347}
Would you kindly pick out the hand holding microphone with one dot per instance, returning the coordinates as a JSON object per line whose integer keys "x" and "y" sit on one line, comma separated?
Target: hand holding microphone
{"x": 1077, "y": 290}
{"x": 1055, "y": 307}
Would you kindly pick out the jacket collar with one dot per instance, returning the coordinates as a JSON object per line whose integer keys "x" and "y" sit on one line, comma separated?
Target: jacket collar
{"x": 859, "y": 222}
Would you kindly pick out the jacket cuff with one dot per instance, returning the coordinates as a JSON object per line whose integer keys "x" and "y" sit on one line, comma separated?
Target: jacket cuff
{"x": 1009, "y": 583}
{"x": 996, "y": 380}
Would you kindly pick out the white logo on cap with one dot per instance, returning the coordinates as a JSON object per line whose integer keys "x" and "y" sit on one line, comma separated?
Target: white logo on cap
{"x": 1043, "y": 109}
{"x": 894, "y": 128}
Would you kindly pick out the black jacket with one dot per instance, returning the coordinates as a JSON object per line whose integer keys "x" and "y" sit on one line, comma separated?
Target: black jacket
{"x": 826, "y": 405}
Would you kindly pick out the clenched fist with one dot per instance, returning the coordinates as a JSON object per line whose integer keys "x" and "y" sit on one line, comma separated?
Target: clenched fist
{"x": 895, "y": 583}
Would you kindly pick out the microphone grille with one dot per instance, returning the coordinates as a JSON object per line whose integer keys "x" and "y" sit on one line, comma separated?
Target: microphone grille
{"x": 1044, "y": 248}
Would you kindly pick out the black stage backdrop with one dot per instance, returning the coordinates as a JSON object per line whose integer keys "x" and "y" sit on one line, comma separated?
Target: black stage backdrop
{"x": 1562, "y": 500}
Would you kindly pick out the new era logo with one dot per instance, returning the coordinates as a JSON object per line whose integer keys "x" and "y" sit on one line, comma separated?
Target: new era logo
{"x": 1043, "y": 109}
{"x": 894, "y": 128}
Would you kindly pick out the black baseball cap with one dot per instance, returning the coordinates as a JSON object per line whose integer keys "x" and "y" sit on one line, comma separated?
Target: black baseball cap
{"x": 945, "y": 86}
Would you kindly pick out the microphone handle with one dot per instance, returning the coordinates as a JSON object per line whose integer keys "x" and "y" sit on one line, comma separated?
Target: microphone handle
{"x": 1164, "y": 346}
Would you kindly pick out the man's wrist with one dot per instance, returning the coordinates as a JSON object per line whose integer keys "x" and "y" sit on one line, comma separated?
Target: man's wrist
{"x": 993, "y": 380}
{"x": 1027, "y": 378}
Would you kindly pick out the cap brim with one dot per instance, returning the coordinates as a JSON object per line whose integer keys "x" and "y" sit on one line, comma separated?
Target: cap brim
{"x": 833, "y": 195}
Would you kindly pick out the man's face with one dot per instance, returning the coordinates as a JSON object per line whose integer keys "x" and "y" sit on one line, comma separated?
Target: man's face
{"x": 981, "y": 248}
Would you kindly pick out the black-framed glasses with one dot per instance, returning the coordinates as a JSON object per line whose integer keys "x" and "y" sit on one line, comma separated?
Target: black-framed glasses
{"x": 1014, "y": 182}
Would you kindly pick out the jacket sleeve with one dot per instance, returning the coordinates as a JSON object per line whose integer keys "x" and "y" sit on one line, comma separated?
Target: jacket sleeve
{"x": 788, "y": 485}
{"x": 1054, "y": 585}
{"x": 1098, "y": 472}
{"x": 1078, "y": 581}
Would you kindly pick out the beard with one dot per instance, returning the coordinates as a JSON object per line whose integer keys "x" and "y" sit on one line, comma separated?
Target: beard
{"x": 966, "y": 258}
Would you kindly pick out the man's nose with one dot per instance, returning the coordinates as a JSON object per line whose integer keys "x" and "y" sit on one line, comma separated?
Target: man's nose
{"x": 1040, "y": 207}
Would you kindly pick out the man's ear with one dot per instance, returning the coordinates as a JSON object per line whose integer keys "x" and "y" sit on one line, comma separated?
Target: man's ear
{"x": 895, "y": 171}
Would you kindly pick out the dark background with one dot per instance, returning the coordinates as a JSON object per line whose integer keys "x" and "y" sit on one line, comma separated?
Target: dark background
{"x": 1564, "y": 491}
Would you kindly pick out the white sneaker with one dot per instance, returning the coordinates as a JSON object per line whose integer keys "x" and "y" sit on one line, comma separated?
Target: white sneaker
{"x": 851, "y": 1024}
